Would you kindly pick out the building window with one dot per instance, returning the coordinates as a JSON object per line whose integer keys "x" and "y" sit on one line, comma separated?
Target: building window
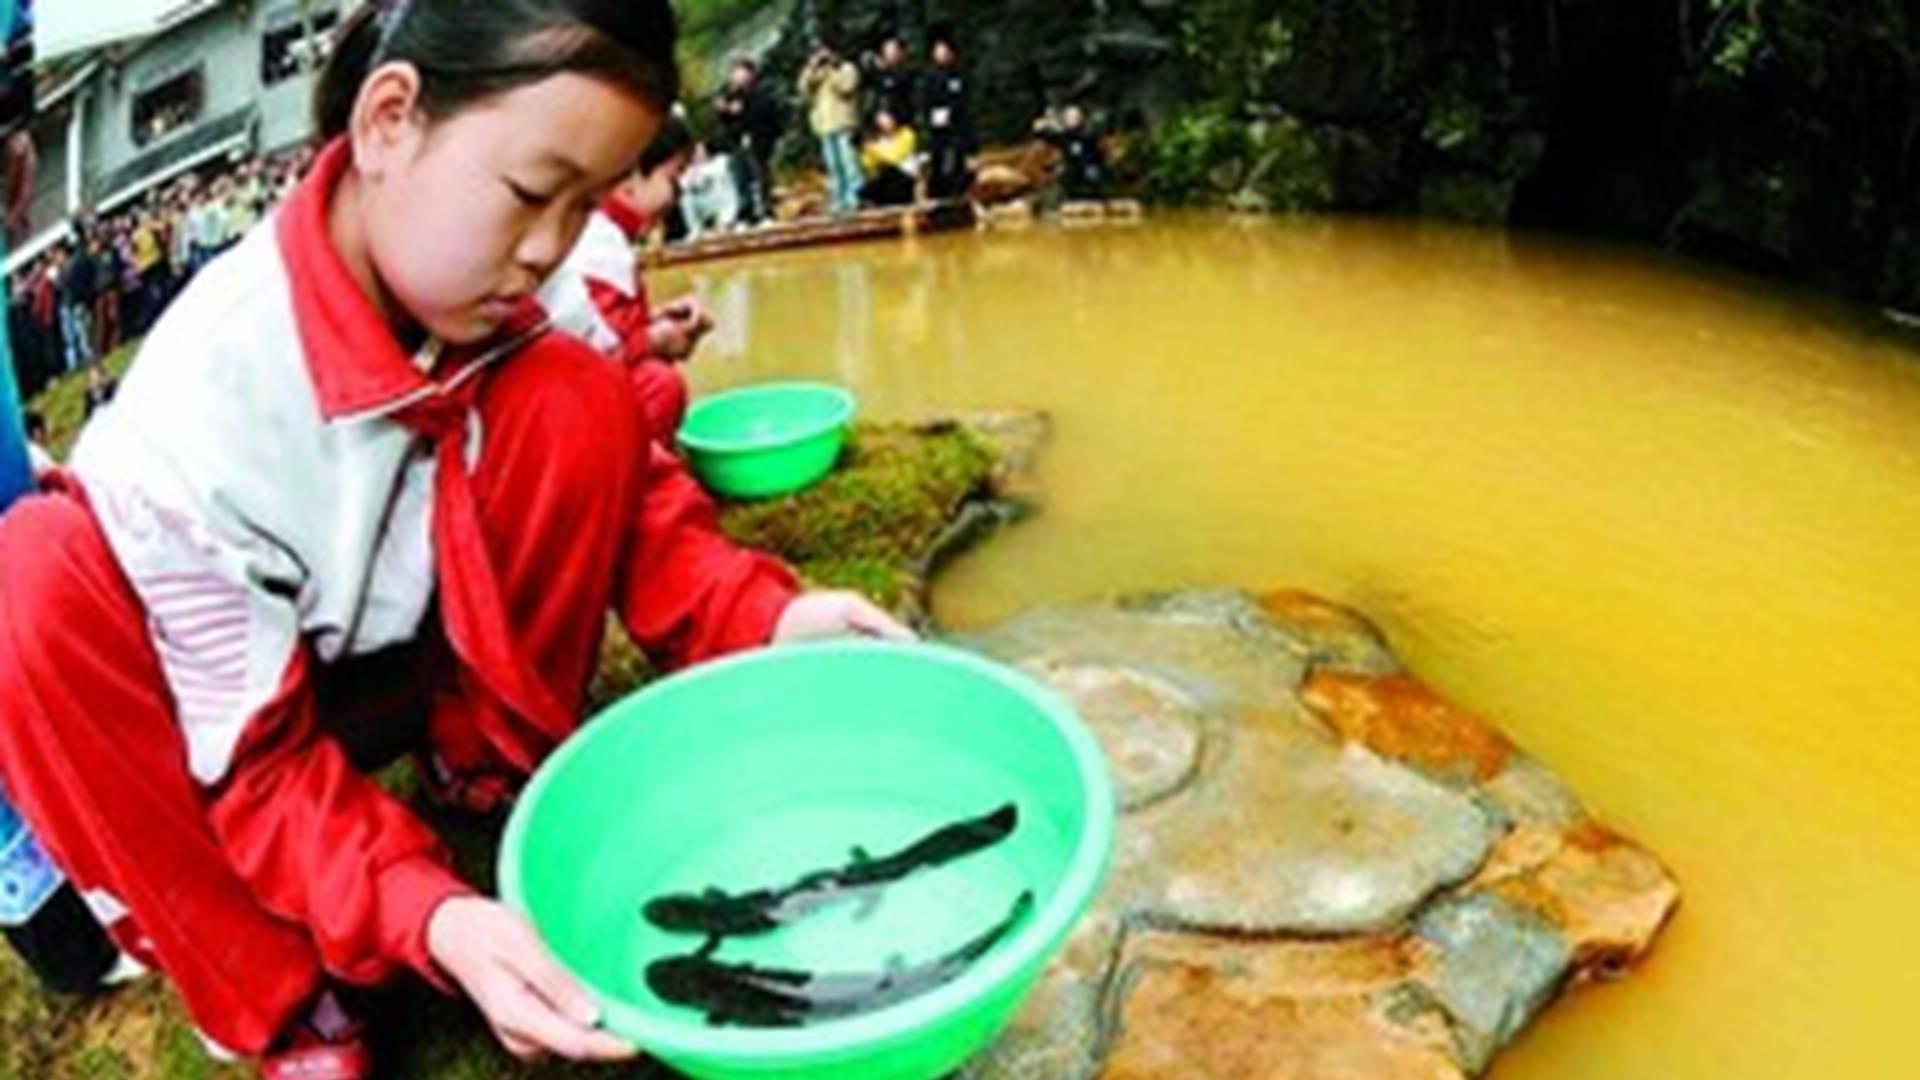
{"x": 285, "y": 45}
{"x": 170, "y": 104}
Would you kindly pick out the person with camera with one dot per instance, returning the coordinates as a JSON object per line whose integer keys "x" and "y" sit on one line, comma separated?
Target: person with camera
{"x": 831, "y": 86}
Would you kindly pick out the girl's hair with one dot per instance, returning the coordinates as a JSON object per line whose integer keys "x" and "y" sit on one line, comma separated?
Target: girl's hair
{"x": 675, "y": 139}
{"x": 467, "y": 50}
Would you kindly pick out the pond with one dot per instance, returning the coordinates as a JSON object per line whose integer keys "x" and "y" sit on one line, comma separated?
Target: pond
{"x": 1662, "y": 525}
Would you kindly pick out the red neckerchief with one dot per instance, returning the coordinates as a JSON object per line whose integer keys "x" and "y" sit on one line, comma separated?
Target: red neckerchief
{"x": 360, "y": 369}
{"x": 627, "y": 216}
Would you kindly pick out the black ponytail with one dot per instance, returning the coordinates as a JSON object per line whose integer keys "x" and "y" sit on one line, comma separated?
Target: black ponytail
{"x": 674, "y": 139}
{"x": 354, "y": 43}
{"x": 467, "y": 50}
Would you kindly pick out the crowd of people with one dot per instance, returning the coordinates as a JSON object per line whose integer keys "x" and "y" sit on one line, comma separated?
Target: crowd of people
{"x": 916, "y": 125}
{"x": 111, "y": 277}
{"x": 886, "y": 128}
{"x": 889, "y": 132}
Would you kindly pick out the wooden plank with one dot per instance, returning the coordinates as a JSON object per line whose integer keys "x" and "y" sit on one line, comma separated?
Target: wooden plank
{"x": 866, "y": 225}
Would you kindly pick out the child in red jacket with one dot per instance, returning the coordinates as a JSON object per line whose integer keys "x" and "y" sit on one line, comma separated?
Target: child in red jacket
{"x": 599, "y": 296}
{"x": 353, "y": 446}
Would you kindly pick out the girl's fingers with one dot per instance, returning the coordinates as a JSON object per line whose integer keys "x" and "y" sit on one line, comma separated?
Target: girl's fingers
{"x": 572, "y": 1044}
{"x": 605, "y": 1046}
{"x": 535, "y": 1022}
{"x": 873, "y": 622}
{"x": 517, "y": 1046}
{"x": 546, "y": 978}
{"x": 826, "y": 615}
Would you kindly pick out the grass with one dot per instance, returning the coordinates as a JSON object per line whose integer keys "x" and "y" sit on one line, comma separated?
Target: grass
{"x": 64, "y": 402}
{"x": 869, "y": 526}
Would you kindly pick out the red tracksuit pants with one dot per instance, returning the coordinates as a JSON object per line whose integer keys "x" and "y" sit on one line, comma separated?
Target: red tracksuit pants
{"x": 296, "y": 867}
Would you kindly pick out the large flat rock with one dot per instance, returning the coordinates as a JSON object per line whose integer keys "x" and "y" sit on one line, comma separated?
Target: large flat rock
{"x": 1323, "y": 870}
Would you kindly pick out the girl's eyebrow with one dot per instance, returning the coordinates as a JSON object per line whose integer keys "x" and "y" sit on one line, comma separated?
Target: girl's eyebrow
{"x": 573, "y": 168}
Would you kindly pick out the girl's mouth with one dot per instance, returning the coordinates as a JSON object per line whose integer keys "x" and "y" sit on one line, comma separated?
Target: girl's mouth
{"x": 500, "y": 309}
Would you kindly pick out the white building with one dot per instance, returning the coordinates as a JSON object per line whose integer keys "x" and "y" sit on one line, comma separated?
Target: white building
{"x": 213, "y": 78}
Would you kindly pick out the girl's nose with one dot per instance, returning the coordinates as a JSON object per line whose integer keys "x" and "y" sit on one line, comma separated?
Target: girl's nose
{"x": 544, "y": 245}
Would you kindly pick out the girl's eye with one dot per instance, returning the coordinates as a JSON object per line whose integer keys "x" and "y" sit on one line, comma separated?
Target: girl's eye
{"x": 527, "y": 196}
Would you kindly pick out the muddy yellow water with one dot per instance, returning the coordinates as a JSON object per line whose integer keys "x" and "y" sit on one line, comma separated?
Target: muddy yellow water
{"x": 1663, "y": 526}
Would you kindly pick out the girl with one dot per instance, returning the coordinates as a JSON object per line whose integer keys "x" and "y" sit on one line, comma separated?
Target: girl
{"x": 598, "y": 295}
{"x": 351, "y": 436}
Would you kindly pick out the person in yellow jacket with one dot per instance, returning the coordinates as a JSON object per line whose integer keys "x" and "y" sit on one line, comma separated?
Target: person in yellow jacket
{"x": 891, "y": 161}
{"x": 831, "y": 86}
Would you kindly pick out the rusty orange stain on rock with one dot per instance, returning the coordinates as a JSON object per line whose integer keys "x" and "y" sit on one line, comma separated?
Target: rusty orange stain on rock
{"x": 1298, "y": 607}
{"x": 1273, "y": 1011}
{"x": 1608, "y": 896}
{"x": 1399, "y": 717}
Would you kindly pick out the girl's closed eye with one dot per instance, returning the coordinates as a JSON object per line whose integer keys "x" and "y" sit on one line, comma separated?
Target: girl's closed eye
{"x": 527, "y": 195}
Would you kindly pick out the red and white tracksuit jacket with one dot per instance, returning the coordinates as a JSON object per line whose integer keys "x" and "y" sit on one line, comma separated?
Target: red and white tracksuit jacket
{"x": 598, "y": 296}
{"x": 280, "y": 500}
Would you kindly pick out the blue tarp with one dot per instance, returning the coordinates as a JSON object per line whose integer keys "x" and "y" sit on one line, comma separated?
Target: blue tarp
{"x": 16, "y": 474}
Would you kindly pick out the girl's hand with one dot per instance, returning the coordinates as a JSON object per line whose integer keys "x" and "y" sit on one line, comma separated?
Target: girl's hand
{"x": 668, "y": 340}
{"x": 820, "y": 616}
{"x": 533, "y": 1005}
{"x": 690, "y": 312}
{"x": 678, "y": 328}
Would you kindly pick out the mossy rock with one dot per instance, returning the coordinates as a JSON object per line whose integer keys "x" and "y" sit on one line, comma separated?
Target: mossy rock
{"x": 874, "y": 522}
{"x": 902, "y": 500}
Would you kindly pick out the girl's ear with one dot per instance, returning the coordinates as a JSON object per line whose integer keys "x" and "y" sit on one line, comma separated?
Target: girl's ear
{"x": 387, "y": 124}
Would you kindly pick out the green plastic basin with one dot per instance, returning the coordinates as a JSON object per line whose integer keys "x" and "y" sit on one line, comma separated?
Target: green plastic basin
{"x": 754, "y": 771}
{"x": 767, "y": 441}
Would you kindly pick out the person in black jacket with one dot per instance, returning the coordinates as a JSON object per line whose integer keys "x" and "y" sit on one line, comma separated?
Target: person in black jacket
{"x": 79, "y": 283}
{"x": 892, "y": 83}
{"x": 1085, "y": 176}
{"x": 751, "y": 128}
{"x": 948, "y": 123}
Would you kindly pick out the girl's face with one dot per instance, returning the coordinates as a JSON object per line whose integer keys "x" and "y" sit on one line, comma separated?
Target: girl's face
{"x": 465, "y": 217}
{"x": 654, "y": 193}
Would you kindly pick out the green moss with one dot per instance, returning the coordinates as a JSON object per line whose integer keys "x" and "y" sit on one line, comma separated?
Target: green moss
{"x": 179, "y": 1055}
{"x": 895, "y": 492}
{"x": 885, "y": 583}
{"x": 26, "y": 1021}
{"x": 101, "y": 1063}
{"x": 867, "y": 528}
{"x": 621, "y": 671}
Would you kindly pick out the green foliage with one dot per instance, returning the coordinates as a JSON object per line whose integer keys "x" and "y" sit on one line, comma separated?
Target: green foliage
{"x": 1199, "y": 155}
{"x": 1210, "y": 155}
{"x": 1235, "y": 45}
{"x": 704, "y": 24}
{"x": 1738, "y": 35}
{"x": 1453, "y": 121}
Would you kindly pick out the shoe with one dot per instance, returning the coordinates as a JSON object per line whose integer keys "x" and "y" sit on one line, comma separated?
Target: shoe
{"x": 327, "y": 1045}
{"x": 447, "y": 791}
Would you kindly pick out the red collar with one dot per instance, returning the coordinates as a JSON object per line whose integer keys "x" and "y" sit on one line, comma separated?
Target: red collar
{"x": 356, "y": 363}
{"x": 627, "y": 216}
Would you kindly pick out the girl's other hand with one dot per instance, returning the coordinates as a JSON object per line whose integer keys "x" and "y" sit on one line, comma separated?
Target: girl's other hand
{"x": 534, "y": 1007}
{"x": 689, "y": 311}
{"x": 678, "y": 328}
{"x": 820, "y": 616}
